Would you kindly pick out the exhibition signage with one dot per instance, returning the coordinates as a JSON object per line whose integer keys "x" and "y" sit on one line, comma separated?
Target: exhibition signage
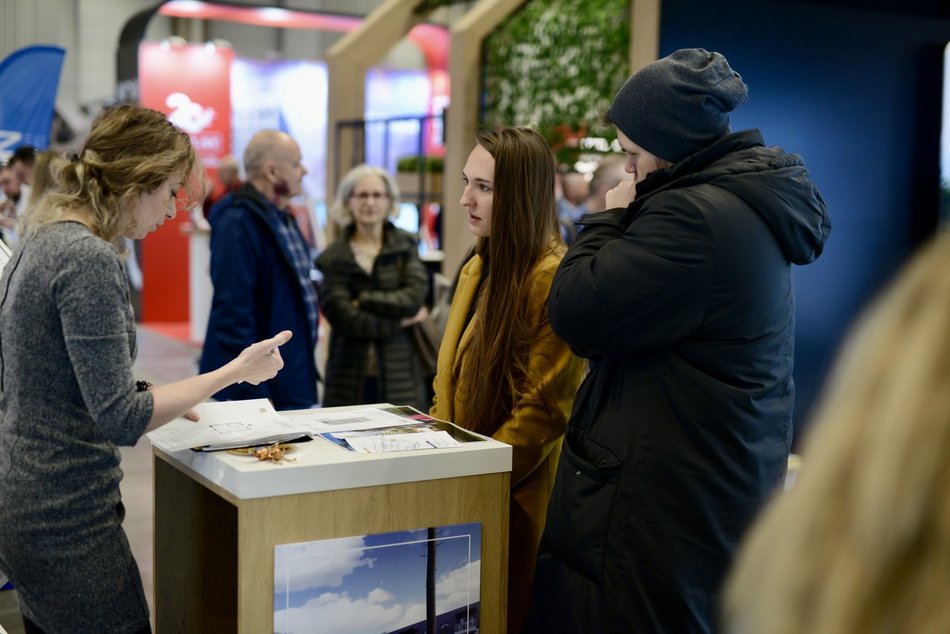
{"x": 191, "y": 84}
{"x": 31, "y": 77}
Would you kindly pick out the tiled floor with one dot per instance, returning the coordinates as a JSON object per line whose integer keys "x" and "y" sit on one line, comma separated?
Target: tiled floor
{"x": 161, "y": 359}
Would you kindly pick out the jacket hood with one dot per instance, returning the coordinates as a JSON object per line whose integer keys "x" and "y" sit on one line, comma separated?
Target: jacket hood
{"x": 775, "y": 184}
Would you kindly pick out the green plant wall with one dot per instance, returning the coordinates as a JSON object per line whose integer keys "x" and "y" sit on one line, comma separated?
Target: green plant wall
{"x": 557, "y": 64}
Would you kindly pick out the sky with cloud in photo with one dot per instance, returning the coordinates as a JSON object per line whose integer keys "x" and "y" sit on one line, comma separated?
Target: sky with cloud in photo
{"x": 371, "y": 584}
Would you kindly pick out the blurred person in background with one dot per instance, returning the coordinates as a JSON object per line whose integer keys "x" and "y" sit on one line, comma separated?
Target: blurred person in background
{"x": 228, "y": 180}
{"x": 609, "y": 173}
{"x": 14, "y": 198}
{"x": 374, "y": 289}
{"x": 262, "y": 275}
{"x": 572, "y": 203}
{"x": 22, "y": 163}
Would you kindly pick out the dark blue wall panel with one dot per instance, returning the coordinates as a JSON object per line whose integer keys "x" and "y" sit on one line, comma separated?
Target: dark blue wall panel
{"x": 857, "y": 94}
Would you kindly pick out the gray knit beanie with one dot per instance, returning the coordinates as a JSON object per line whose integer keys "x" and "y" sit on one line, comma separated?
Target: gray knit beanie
{"x": 678, "y": 105}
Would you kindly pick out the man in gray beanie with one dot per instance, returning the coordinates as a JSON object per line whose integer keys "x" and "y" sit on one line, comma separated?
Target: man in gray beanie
{"x": 680, "y": 296}
{"x": 680, "y": 104}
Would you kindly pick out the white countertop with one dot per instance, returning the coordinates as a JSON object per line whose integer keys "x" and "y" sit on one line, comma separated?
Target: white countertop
{"x": 319, "y": 465}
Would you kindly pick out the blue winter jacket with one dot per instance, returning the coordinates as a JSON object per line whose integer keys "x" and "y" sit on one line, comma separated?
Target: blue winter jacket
{"x": 257, "y": 293}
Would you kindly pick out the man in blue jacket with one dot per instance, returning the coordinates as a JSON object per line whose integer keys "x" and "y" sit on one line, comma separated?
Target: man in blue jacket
{"x": 680, "y": 295}
{"x": 260, "y": 269}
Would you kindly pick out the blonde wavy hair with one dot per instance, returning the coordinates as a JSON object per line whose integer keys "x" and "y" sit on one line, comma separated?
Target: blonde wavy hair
{"x": 42, "y": 175}
{"x": 340, "y": 212}
{"x": 861, "y": 544}
{"x": 130, "y": 151}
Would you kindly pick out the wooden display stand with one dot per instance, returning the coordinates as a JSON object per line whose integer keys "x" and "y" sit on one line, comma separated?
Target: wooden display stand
{"x": 218, "y": 518}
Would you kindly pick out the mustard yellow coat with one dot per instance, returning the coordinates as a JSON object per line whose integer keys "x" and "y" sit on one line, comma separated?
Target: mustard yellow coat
{"x": 533, "y": 432}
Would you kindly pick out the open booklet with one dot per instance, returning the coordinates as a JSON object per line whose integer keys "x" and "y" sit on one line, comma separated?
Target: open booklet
{"x": 227, "y": 425}
{"x": 250, "y": 423}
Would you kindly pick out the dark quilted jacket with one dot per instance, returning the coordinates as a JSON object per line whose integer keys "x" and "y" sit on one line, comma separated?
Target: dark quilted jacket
{"x": 396, "y": 289}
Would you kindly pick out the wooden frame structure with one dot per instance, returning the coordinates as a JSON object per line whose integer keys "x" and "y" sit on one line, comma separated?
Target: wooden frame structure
{"x": 353, "y": 55}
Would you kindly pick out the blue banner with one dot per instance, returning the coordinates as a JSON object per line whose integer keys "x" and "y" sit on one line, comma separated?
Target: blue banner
{"x": 30, "y": 77}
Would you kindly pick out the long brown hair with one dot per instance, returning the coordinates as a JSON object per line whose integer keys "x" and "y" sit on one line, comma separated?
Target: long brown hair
{"x": 524, "y": 229}
{"x": 130, "y": 151}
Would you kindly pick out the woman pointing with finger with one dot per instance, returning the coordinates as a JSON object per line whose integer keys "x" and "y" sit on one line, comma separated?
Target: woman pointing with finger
{"x": 67, "y": 394}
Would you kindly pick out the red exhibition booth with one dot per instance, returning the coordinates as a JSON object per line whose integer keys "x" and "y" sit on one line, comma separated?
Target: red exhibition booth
{"x": 191, "y": 84}
{"x": 204, "y": 89}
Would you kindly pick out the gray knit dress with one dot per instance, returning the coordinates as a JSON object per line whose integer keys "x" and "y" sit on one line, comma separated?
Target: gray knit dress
{"x": 67, "y": 398}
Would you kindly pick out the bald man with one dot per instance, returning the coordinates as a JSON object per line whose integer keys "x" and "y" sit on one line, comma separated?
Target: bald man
{"x": 261, "y": 272}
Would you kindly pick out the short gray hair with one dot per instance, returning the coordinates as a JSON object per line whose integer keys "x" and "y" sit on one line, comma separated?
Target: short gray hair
{"x": 339, "y": 211}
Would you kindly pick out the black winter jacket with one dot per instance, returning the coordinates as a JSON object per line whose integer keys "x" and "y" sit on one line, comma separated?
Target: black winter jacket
{"x": 683, "y": 303}
{"x": 396, "y": 289}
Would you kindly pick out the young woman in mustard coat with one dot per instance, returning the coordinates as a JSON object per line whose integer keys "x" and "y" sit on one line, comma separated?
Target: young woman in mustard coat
{"x": 501, "y": 371}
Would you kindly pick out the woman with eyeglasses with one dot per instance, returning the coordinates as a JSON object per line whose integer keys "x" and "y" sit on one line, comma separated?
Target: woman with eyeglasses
{"x": 502, "y": 371}
{"x": 374, "y": 289}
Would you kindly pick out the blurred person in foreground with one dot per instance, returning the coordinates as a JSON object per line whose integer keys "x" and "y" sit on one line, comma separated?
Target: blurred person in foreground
{"x": 861, "y": 543}
{"x": 374, "y": 288}
{"x": 502, "y": 372}
{"x": 67, "y": 394}
{"x": 680, "y": 295}
{"x": 261, "y": 273}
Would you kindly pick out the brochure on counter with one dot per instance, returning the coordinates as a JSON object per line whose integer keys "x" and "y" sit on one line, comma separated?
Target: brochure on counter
{"x": 236, "y": 424}
{"x": 415, "y": 431}
{"x": 227, "y": 425}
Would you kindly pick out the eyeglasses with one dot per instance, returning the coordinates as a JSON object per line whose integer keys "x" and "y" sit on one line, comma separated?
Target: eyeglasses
{"x": 364, "y": 196}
